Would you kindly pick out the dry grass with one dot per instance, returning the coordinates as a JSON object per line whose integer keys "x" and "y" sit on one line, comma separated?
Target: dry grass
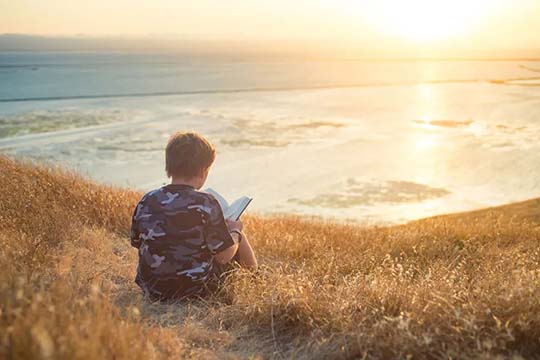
{"x": 464, "y": 286}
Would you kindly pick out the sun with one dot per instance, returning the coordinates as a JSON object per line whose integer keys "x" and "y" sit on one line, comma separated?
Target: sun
{"x": 424, "y": 20}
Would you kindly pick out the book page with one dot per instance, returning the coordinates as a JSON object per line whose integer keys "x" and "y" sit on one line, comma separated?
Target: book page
{"x": 234, "y": 210}
{"x": 237, "y": 208}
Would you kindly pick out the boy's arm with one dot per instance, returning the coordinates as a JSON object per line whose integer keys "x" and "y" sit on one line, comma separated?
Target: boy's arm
{"x": 246, "y": 255}
{"x": 226, "y": 255}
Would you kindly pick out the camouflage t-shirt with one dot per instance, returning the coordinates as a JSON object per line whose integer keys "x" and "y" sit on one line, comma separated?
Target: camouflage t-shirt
{"x": 177, "y": 230}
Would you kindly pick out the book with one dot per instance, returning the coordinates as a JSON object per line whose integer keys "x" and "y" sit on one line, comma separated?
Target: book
{"x": 234, "y": 210}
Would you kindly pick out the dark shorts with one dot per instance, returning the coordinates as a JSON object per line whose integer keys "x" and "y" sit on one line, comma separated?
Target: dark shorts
{"x": 214, "y": 283}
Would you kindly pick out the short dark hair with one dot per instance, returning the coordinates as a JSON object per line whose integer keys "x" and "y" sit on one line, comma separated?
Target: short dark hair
{"x": 188, "y": 154}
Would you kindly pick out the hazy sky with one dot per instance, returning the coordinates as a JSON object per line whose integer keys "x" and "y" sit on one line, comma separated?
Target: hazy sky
{"x": 483, "y": 24}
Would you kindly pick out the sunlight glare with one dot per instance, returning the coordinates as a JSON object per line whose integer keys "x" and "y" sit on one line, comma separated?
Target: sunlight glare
{"x": 425, "y": 20}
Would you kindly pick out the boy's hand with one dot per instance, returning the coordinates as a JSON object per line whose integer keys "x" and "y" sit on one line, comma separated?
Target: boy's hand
{"x": 234, "y": 225}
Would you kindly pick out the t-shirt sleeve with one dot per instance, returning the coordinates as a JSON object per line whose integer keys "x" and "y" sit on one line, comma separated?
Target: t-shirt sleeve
{"x": 218, "y": 237}
{"x": 135, "y": 233}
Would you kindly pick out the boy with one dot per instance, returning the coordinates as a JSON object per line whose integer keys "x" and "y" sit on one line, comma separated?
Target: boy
{"x": 183, "y": 240}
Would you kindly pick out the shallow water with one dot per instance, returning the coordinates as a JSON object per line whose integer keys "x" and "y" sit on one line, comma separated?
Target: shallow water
{"x": 314, "y": 138}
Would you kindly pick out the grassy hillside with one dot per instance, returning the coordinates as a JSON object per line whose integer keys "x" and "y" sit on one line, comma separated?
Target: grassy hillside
{"x": 462, "y": 286}
{"x": 521, "y": 211}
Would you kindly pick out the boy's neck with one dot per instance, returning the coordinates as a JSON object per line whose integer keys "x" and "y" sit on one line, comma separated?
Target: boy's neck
{"x": 193, "y": 182}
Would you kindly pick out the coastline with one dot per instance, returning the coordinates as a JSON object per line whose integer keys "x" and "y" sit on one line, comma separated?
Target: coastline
{"x": 373, "y": 154}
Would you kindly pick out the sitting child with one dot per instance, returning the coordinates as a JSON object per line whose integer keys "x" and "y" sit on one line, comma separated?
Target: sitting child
{"x": 183, "y": 240}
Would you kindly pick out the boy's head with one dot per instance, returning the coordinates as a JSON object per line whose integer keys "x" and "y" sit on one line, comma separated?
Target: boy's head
{"x": 189, "y": 156}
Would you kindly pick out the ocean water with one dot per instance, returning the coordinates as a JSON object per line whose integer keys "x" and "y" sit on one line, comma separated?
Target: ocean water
{"x": 368, "y": 141}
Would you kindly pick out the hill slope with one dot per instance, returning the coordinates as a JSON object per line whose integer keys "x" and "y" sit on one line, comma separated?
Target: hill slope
{"x": 528, "y": 210}
{"x": 454, "y": 286}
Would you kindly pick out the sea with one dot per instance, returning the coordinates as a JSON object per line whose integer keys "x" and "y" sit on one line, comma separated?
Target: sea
{"x": 364, "y": 140}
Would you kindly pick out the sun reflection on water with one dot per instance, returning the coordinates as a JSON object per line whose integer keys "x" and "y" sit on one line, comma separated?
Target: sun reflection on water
{"x": 426, "y": 101}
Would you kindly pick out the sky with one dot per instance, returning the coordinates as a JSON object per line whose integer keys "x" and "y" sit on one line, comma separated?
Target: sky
{"x": 382, "y": 25}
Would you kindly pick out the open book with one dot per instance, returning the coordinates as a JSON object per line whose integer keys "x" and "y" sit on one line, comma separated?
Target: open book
{"x": 235, "y": 209}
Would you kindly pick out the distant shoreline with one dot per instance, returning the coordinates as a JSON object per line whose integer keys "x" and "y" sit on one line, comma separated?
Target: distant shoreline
{"x": 272, "y": 57}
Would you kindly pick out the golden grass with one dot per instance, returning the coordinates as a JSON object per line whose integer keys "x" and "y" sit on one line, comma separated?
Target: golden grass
{"x": 461, "y": 286}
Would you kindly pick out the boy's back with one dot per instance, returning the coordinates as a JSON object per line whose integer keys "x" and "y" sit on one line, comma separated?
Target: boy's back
{"x": 177, "y": 230}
